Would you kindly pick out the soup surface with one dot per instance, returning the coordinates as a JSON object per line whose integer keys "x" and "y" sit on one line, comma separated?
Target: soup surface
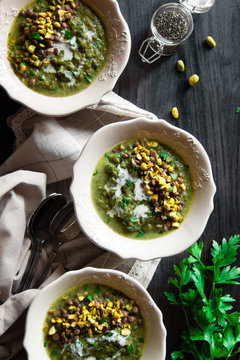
{"x": 94, "y": 322}
{"x": 141, "y": 189}
{"x": 57, "y": 48}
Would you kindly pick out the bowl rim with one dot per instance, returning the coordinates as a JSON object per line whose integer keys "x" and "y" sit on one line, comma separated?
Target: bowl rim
{"x": 142, "y": 249}
{"x": 105, "y": 82}
{"x": 71, "y": 277}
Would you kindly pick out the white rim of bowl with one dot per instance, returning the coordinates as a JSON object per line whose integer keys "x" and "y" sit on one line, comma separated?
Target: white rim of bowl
{"x": 143, "y": 249}
{"x": 61, "y": 106}
{"x": 92, "y": 272}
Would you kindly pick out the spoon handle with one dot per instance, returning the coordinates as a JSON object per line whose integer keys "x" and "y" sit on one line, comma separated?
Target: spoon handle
{"x": 46, "y": 269}
{"x": 28, "y": 273}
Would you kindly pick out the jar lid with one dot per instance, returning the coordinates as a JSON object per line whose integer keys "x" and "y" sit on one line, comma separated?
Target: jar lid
{"x": 198, "y": 6}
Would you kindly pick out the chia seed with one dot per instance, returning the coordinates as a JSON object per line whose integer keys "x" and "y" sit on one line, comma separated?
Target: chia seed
{"x": 171, "y": 25}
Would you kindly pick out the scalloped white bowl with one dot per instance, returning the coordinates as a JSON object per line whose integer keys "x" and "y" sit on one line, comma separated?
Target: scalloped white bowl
{"x": 119, "y": 50}
{"x": 180, "y": 141}
{"x": 155, "y": 331}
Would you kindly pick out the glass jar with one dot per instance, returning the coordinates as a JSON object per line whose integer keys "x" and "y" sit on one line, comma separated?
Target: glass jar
{"x": 171, "y": 25}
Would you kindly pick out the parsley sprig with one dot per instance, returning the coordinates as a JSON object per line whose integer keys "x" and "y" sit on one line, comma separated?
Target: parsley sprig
{"x": 213, "y": 332}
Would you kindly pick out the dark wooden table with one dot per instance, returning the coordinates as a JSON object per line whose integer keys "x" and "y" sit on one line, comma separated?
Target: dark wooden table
{"x": 208, "y": 111}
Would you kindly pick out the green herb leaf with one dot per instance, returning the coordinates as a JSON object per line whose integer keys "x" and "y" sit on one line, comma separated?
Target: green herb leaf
{"x": 95, "y": 173}
{"x": 34, "y": 36}
{"x": 173, "y": 176}
{"x": 163, "y": 155}
{"x": 67, "y": 34}
{"x": 212, "y": 331}
{"x": 129, "y": 183}
{"x": 97, "y": 290}
{"x": 130, "y": 349}
{"x": 88, "y": 77}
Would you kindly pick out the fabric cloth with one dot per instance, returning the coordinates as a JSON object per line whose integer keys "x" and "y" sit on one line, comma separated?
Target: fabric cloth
{"x": 46, "y": 149}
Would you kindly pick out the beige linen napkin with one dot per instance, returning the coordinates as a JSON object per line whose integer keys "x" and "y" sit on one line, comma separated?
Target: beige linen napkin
{"x": 46, "y": 149}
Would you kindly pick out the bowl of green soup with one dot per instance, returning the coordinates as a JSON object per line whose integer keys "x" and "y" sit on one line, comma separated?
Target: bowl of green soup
{"x": 57, "y": 56}
{"x": 143, "y": 189}
{"x": 95, "y": 314}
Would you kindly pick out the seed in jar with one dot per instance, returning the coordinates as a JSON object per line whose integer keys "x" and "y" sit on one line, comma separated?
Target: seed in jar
{"x": 171, "y": 25}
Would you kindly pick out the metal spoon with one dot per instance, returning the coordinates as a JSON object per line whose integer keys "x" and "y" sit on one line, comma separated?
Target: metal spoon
{"x": 38, "y": 230}
{"x": 62, "y": 227}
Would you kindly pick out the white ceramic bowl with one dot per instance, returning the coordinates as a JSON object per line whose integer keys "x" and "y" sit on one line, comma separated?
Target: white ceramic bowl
{"x": 155, "y": 331}
{"x": 119, "y": 51}
{"x": 180, "y": 141}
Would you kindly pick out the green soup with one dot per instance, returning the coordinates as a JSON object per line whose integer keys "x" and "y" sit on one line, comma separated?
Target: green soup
{"x": 94, "y": 322}
{"x": 141, "y": 189}
{"x": 57, "y": 48}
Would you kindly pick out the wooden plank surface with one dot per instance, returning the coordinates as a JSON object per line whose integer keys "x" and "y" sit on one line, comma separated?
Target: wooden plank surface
{"x": 208, "y": 111}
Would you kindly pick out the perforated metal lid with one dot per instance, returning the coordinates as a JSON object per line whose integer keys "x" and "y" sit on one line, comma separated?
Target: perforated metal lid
{"x": 198, "y": 6}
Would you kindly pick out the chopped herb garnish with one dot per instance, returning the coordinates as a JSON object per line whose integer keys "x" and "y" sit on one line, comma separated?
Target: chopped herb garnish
{"x": 42, "y": 77}
{"x": 102, "y": 321}
{"x": 95, "y": 173}
{"x": 150, "y": 214}
{"x": 238, "y": 110}
{"x": 85, "y": 287}
{"x": 67, "y": 34}
{"x": 171, "y": 188}
{"x": 173, "y": 176}
{"x": 80, "y": 23}
{"x": 34, "y": 36}
{"x": 120, "y": 204}
{"x": 136, "y": 168}
{"x": 163, "y": 155}
{"x": 53, "y": 89}
{"x": 141, "y": 202}
{"x": 45, "y": 344}
{"x": 53, "y": 353}
{"x": 108, "y": 220}
{"x": 88, "y": 77}
{"x": 107, "y": 155}
{"x": 129, "y": 183}
{"x": 125, "y": 200}
{"x": 132, "y": 219}
{"x": 91, "y": 345}
{"x": 89, "y": 297}
{"x": 31, "y": 72}
{"x": 95, "y": 44}
{"x": 109, "y": 334}
{"x": 130, "y": 349}
{"x": 97, "y": 290}
{"x": 141, "y": 339}
{"x": 117, "y": 165}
